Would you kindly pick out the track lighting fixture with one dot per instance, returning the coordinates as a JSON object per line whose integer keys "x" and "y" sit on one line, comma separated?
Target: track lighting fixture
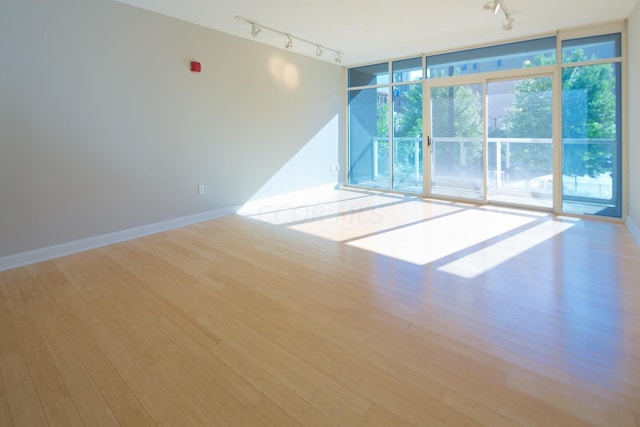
{"x": 288, "y": 41}
{"x": 255, "y": 30}
{"x": 495, "y": 6}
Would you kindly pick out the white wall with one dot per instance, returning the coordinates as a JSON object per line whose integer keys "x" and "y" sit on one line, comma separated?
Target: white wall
{"x": 634, "y": 124}
{"x": 103, "y": 127}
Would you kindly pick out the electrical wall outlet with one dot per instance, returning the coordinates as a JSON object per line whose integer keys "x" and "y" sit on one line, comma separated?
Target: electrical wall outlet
{"x": 201, "y": 189}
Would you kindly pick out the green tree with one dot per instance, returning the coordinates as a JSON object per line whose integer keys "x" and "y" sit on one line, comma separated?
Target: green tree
{"x": 457, "y": 113}
{"x": 407, "y": 123}
{"x": 530, "y": 116}
{"x": 408, "y": 112}
{"x": 587, "y": 89}
{"x": 382, "y": 129}
{"x": 382, "y": 123}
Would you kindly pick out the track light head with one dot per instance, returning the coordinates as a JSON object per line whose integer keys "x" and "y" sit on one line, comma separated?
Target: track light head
{"x": 319, "y": 50}
{"x": 496, "y": 6}
{"x": 338, "y": 57}
{"x": 288, "y": 43}
{"x": 507, "y": 24}
{"x": 255, "y": 30}
{"x": 493, "y": 6}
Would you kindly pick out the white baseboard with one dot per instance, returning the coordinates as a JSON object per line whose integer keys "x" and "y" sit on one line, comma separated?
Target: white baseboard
{"x": 634, "y": 229}
{"x": 68, "y": 248}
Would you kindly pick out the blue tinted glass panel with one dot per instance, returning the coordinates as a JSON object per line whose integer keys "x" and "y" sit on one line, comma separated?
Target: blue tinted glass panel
{"x": 407, "y": 70}
{"x": 591, "y": 48}
{"x": 377, "y": 74}
{"x": 531, "y": 53}
{"x": 369, "y": 137}
{"x": 591, "y": 140}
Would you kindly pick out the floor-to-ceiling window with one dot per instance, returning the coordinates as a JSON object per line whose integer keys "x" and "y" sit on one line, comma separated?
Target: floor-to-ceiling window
{"x": 369, "y": 117}
{"x": 519, "y": 124}
{"x": 385, "y": 126}
{"x": 406, "y": 126}
{"x": 591, "y": 125}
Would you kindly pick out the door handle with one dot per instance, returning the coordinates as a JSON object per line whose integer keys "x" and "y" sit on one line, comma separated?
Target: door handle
{"x": 429, "y": 141}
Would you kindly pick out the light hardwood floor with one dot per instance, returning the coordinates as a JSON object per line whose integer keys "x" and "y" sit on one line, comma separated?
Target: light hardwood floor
{"x": 332, "y": 308}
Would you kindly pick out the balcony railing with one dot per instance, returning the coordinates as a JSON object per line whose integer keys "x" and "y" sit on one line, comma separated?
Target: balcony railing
{"x": 514, "y": 165}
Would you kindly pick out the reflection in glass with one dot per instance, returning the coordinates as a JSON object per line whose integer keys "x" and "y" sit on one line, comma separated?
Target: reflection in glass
{"x": 520, "y": 149}
{"x": 591, "y": 48}
{"x": 457, "y": 148}
{"x": 377, "y": 74}
{"x": 510, "y": 56}
{"x": 591, "y": 172}
{"x": 369, "y": 137}
{"x": 407, "y": 138}
{"x": 407, "y": 70}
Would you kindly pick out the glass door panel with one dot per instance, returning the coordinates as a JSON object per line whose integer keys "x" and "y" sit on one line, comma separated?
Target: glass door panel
{"x": 457, "y": 153}
{"x": 519, "y": 145}
{"x": 369, "y": 138}
{"x": 591, "y": 135}
{"x": 407, "y": 138}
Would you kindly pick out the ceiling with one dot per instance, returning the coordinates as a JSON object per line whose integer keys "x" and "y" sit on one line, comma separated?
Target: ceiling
{"x": 377, "y": 30}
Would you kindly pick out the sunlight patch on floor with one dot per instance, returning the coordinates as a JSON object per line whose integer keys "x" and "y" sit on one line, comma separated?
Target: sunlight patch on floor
{"x": 467, "y": 240}
{"x": 437, "y": 238}
{"x": 383, "y": 216}
{"x": 483, "y": 260}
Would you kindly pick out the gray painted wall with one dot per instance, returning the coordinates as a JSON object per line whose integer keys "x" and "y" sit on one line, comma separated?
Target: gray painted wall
{"x": 634, "y": 114}
{"x": 103, "y": 127}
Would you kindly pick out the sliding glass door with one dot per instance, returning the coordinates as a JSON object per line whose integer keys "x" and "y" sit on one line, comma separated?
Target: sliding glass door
{"x": 456, "y": 142}
{"x": 519, "y": 144}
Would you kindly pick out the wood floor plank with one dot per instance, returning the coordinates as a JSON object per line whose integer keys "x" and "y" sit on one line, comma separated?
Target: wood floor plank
{"x": 299, "y": 408}
{"x": 593, "y": 410}
{"x": 82, "y": 388}
{"x": 379, "y": 416}
{"x": 332, "y": 307}
{"x": 129, "y": 412}
{"x": 22, "y": 397}
{"x": 42, "y": 369}
{"x": 63, "y": 413}
{"x": 8, "y": 339}
{"x": 5, "y": 412}
{"x": 271, "y": 414}
{"x": 475, "y": 410}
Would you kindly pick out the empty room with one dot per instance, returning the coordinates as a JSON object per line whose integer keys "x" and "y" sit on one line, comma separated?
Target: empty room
{"x": 320, "y": 213}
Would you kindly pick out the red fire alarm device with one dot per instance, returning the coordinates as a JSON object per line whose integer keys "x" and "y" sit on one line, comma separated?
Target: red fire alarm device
{"x": 196, "y": 67}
